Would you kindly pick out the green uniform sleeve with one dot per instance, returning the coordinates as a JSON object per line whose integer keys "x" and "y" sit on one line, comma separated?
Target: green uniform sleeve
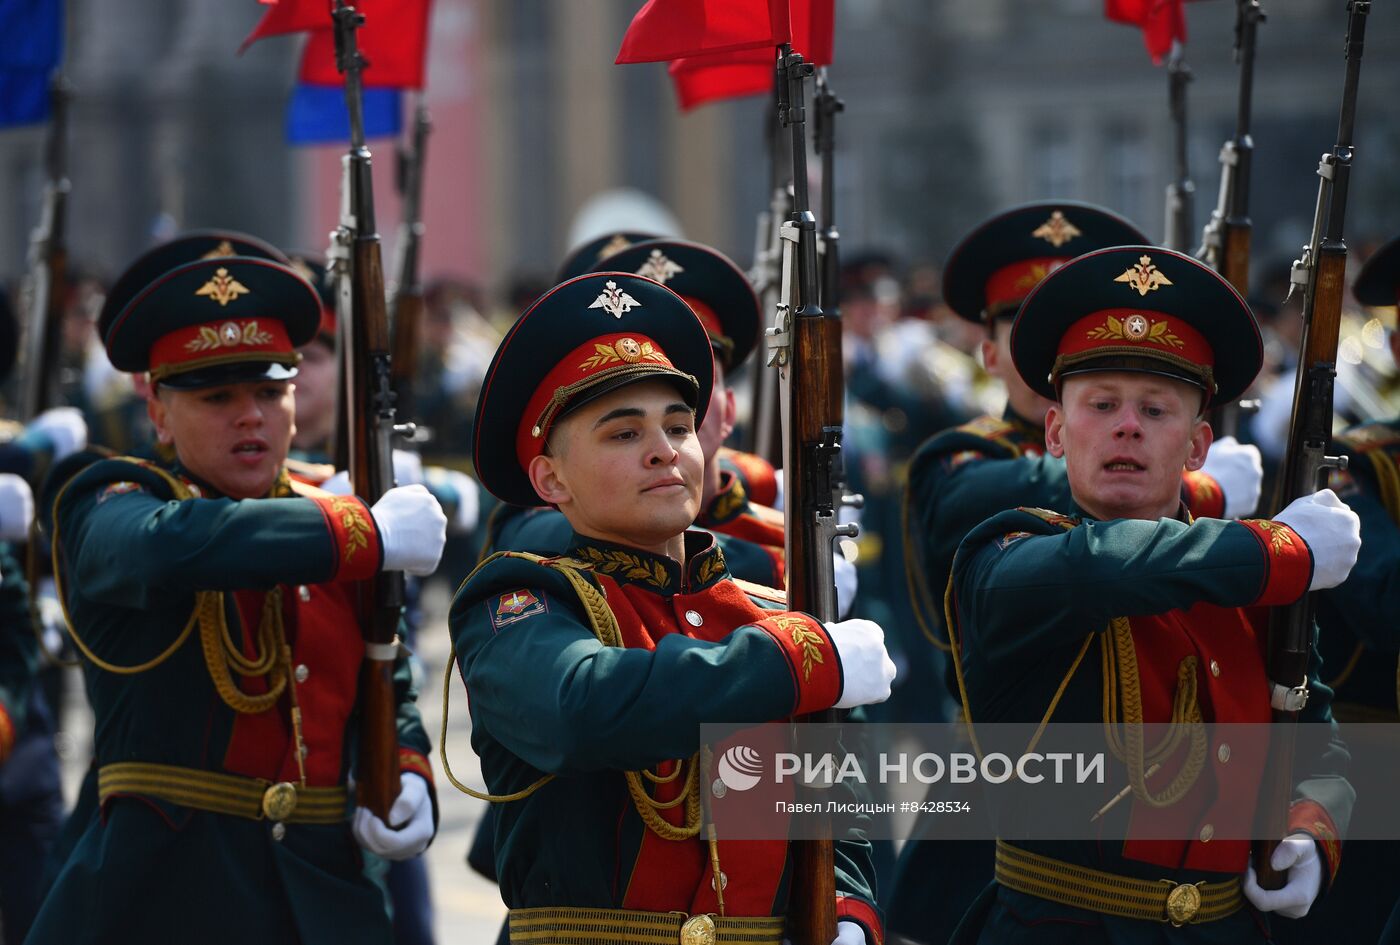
{"x": 544, "y": 687}
{"x": 123, "y": 542}
{"x": 1026, "y": 584}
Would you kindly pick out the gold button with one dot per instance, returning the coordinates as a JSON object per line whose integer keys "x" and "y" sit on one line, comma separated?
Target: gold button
{"x": 302, "y": 672}
{"x": 279, "y": 801}
{"x": 1214, "y": 668}
{"x": 1223, "y": 753}
{"x": 693, "y": 618}
{"x": 1183, "y": 902}
{"x": 1207, "y": 832}
{"x": 698, "y": 930}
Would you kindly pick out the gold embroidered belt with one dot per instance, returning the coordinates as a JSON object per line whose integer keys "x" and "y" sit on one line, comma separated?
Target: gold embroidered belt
{"x": 1129, "y": 897}
{"x": 253, "y": 798}
{"x": 565, "y": 926}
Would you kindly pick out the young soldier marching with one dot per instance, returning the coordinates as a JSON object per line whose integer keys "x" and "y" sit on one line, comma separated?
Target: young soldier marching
{"x": 963, "y": 476}
{"x": 215, "y": 605}
{"x": 589, "y": 674}
{"x": 1132, "y": 344}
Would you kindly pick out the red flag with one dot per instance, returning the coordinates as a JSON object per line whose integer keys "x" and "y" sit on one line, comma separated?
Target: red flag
{"x": 1161, "y": 21}
{"x": 701, "y": 79}
{"x": 664, "y": 30}
{"x": 290, "y": 16}
{"x": 393, "y": 40}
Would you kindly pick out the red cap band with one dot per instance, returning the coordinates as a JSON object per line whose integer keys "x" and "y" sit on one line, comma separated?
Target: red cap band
{"x": 1010, "y": 284}
{"x": 1136, "y": 332}
{"x": 221, "y": 342}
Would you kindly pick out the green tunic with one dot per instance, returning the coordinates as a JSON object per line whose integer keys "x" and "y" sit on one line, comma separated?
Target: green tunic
{"x": 132, "y": 559}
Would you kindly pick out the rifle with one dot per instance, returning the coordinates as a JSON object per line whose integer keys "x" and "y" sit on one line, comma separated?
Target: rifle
{"x": 828, "y": 106}
{"x": 764, "y": 436}
{"x": 1181, "y": 192}
{"x": 48, "y": 266}
{"x": 1225, "y": 240}
{"x": 1321, "y": 274}
{"x": 370, "y": 410}
{"x": 406, "y": 303}
{"x": 805, "y": 346}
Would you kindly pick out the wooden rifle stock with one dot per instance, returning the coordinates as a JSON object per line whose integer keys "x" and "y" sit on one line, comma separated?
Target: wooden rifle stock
{"x": 1321, "y": 272}
{"x": 370, "y": 412}
{"x": 808, "y": 357}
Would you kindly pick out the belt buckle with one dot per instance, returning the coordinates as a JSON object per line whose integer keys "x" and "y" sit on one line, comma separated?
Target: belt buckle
{"x": 1183, "y": 902}
{"x": 698, "y": 930}
{"x": 279, "y": 801}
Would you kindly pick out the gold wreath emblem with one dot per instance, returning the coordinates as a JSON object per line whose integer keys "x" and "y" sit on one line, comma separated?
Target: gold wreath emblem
{"x": 1137, "y": 328}
{"x": 228, "y": 335}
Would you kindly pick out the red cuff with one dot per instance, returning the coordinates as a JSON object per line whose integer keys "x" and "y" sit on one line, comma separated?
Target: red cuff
{"x": 1311, "y": 818}
{"x": 1288, "y": 562}
{"x": 417, "y": 762}
{"x": 858, "y": 910}
{"x": 811, "y": 656}
{"x": 7, "y": 733}
{"x": 1203, "y": 495}
{"x": 355, "y": 535}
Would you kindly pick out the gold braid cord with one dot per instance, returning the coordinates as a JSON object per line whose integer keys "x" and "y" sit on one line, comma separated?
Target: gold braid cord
{"x": 220, "y": 651}
{"x": 604, "y": 626}
{"x": 1120, "y": 670}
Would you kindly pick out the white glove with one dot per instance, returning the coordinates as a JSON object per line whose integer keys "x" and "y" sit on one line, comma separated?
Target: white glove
{"x": 412, "y": 529}
{"x": 1240, "y": 472}
{"x": 865, "y": 663}
{"x": 849, "y": 933}
{"x": 16, "y": 508}
{"x": 1297, "y": 854}
{"x": 468, "y": 496}
{"x": 412, "y": 811}
{"x": 408, "y": 471}
{"x": 65, "y": 428}
{"x": 1332, "y": 532}
{"x": 846, "y": 583}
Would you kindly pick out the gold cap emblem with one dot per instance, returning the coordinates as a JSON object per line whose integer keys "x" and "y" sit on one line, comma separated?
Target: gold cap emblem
{"x": 1057, "y": 231}
{"x": 659, "y": 267}
{"x": 629, "y": 350}
{"x": 222, "y": 288}
{"x": 1145, "y": 277}
{"x": 613, "y": 300}
{"x": 227, "y": 335}
{"x": 613, "y": 246}
{"x": 279, "y": 801}
{"x": 225, "y": 248}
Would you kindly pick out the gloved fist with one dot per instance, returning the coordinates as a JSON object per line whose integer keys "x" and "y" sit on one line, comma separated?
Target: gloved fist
{"x": 1332, "y": 532}
{"x": 865, "y": 663}
{"x": 408, "y": 471}
{"x": 412, "y": 529}
{"x": 1297, "y": 854}
{"x": 413, "y": 812}
{"x": 448, "y": 483}
{"x": 16, "y": 508}
{"x": 65, "y": 428}
{"x": 1239, "y": 471}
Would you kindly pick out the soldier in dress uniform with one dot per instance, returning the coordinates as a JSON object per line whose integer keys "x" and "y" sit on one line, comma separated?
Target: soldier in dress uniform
{"x": 214, "y": 601}
{"x": 1131, "y": 344}
{"x": 589, "y": 673}
{"x": 966, "y": 474}
{"x": 1359, "y": 640}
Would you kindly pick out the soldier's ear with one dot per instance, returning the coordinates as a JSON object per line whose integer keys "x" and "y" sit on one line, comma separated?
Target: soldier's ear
{"x": 1201, "y": 438}
{"x": 1054, "y": 431}
{"x": 544, "y": 476}
{"x": 157, "y": 410}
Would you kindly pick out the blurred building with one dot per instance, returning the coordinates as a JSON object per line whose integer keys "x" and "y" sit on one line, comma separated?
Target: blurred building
{"x": 954, "y": 109}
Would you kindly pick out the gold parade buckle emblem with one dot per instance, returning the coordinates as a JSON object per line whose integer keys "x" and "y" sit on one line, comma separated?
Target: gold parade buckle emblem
{"x": 698, "y": 930}
{"x": 279, "y": 801}
{"x": 1183, "y": 902}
